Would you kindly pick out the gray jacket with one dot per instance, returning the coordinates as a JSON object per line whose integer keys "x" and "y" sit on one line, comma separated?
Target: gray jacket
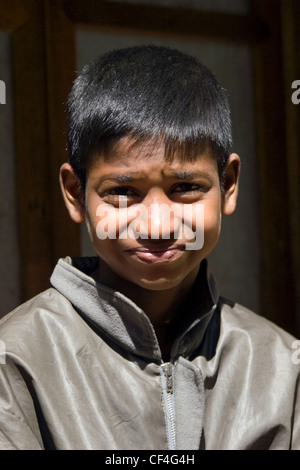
{"x": 82, "y": 369}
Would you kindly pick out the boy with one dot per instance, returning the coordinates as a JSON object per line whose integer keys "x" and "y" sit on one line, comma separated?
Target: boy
{"x": 134, "y": 349}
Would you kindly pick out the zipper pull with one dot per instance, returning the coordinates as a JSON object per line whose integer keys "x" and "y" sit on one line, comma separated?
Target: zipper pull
{"x": 169, "y": 376}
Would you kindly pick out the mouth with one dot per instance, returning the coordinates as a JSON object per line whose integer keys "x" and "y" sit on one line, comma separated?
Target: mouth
{"x": 156, "y": 254}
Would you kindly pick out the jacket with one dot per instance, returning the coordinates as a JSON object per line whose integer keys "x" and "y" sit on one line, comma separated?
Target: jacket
{"x": 82, "y": 370}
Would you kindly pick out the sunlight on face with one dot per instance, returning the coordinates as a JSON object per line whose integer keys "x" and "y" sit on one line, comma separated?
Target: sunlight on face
{"x": 156, "y": 255}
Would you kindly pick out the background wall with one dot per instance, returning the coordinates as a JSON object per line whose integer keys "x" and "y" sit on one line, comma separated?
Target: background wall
{"x": 10, "y": 294}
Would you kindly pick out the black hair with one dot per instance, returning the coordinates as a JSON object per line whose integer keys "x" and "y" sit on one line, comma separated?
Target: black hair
{"x": 147, "y": 92}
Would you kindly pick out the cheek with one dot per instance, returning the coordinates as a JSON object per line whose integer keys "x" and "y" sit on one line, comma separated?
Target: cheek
{"x": 212, "y": 223}
{"x": 103, "y": 229}
{"x": 92, "y": 220}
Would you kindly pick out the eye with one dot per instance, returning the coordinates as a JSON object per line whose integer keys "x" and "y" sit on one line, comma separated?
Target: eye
{"x": 188, "y": 192}
{"x": 186, "y": 188}
{"x": 120, "y": 191}
{"x": 118, "y": 194}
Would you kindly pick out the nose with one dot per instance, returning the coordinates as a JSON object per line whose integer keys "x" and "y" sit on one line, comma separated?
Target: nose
{"x": 159, "y": 219}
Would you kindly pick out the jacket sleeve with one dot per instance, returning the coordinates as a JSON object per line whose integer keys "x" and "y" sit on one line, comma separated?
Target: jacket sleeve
{"x": 295, "y": 444}
{"x": 19, "y": 428}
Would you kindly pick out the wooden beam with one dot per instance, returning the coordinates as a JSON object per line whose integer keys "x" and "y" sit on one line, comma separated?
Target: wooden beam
{"x": 291, "y": 49}
{"x": 31, "y": 148}
{"x": 61, "y": 66}
{"x": 277, "y": 283}
{"x": 179, "y": 21}
{"x": 42, "y": 69}
{"x": 13, "y": 14}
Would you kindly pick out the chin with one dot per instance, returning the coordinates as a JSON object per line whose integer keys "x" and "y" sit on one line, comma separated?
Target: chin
{"x": 159, "y": 283}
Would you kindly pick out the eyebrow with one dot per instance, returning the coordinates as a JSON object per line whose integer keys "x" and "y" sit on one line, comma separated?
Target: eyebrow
{"x": 187, "y": 174}
{"x": 123, "y": 178}
{"x": 135, "y": 176}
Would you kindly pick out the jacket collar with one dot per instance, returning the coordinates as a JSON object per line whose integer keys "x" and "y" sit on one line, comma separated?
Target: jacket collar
{"x": 121, "y": 320}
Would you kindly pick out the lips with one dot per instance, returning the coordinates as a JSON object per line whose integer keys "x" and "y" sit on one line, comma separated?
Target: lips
{"x": 157, "y": 254}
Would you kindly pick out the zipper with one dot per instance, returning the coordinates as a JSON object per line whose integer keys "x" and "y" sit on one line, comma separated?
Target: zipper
{"x": 168, "y": 394}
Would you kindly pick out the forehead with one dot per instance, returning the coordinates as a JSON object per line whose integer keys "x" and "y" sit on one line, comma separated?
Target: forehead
{"x": 147, "y": 157}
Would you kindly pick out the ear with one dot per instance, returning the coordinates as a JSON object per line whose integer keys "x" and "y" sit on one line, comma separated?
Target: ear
{"x": 72, "y": 193}
{"x": 230, "y": 185}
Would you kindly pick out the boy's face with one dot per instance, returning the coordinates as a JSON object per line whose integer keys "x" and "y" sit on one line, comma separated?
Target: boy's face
{"x": 130, "y": 204}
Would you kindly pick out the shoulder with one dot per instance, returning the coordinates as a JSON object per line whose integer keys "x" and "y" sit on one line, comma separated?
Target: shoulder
{"x": 33, "y": 321}
{"x": 49, "y": 300}
{"x": 255, "y": 333}
{"x": 236, "y": 314}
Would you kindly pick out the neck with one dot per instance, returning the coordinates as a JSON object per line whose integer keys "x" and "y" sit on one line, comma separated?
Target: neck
{"x": 163, "y": 307}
